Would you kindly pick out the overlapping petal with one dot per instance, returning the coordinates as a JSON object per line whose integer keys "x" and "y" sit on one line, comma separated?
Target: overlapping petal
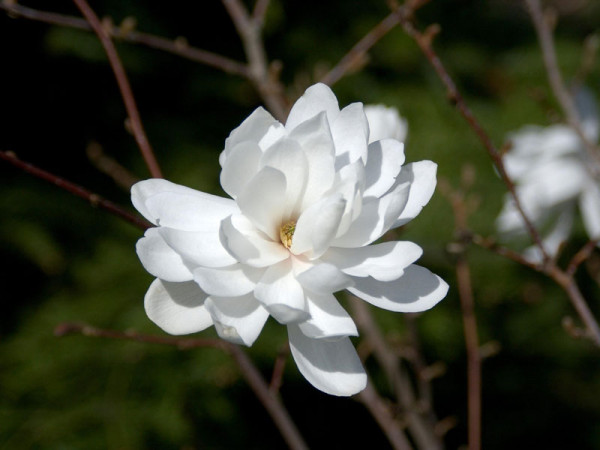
{"x": 161, "y": 260}
{"x": 327, "y": 318}
{"x": 231, "y": 281}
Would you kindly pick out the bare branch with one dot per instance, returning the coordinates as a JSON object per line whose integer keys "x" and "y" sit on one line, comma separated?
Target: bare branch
{"x": 107, "y": 165}
{"x": 124, "y": 87}
{"x": 177, "y": 46}
{"x": 94, "y": 199}
{"x": 581, "y": 256}
{"x": 270, "y": 401}
{"x": 562, "y": 94}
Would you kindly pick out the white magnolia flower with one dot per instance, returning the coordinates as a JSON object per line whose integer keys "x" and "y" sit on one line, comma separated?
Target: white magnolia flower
{"x": 307, "y": 199}
{"x": 553, "y": 174}
{"x": 384, "y": 123}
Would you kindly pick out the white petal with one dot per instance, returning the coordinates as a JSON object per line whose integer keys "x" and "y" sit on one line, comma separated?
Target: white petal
{"x": 556, "y": 237}
{"x": 314, "y": 136}
{"x": 161, "y": 260}
{"x": 417, "y": 290}
{"x": 383, "y": 166}
{"x": 327, "y": 318}
{"x": 197, "y": 211}
{"x": 281, "y": 294}
{"x": 331, "y": 366}
{"x": 384, "y": 262}
{"x": 422, "y": 177}
{"x": 231, "y": 281}
{"x": 263, "y": 201}
{"x": 249, "y": 245}
{"x": 590, "y": 209}
{"x": 259, "y": 127}
{"x": 350, "y": 132}
{"x": 240, "y": 167}
{"x": 287, "y": 157}
{"x": 376, "y": 217}
{"x": 350, "y": 182}
{"x": 317, "y": 226}
{"x": 197, "y": 248}
{"x": 385, "y": 123}
{"x": 238, "y": 319}
{"x": 177, "y": 308}
{"x": 324, "y": 279}
{"x": 316, "y": 99}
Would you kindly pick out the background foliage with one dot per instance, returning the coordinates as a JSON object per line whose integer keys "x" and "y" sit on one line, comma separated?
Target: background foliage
{"x": 64, "y": 261}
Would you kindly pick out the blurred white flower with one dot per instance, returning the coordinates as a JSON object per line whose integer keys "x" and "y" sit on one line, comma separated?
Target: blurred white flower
{"x": 385, "y": 123}
{"x": 307, "y": 199}
{"x": 553, "y": 174}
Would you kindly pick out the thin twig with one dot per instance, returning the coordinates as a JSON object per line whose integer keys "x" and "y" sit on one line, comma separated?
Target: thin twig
{"x": 279, "y": 368}
{"x": 124, "y": 87}
{"x": 555, "y": 79}
{"x": 581, "y": 256}
{"x": 270, "y": 401}
{"x": 266, "y": 83}
{"x": 424, "y": 41}
{"x": 178, "y": 46}
{"x": 419, "y": 427}
{"x": 109, "y": 166}
{"x": 94, "y": 199}
{"x": 384, "y": 418}
{"x": 467, "y": 302}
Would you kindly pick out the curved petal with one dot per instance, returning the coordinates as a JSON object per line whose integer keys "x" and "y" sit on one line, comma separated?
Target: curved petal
{"x": 197, "y": 211}
{"x": 331, "y": 366}
{"x": 376, "y": 217}
{"x": 589, "y": 204}
{"x": 383, "y": 166}
{"x": 327, "y": 318}
{"x": 263, "y": 201}
{"x": 259, "y": 127}
{"x": 417, "y": 290}
{"x": 287, "y": 157}
{"x": 384, "y": 262}
{"x": 248, "y": 245}
{"x": 281, "y": 294}
{"x": 556, "y": 237}
{"x": 317, "y": 226}
{"x": 198, "y": 248}
{"x": 385, "y": 123}
{"x": 422, "y": 177}
{"x": 350, "y": 132}
{"x": 177, "y": 308}
{"x": 161, "y": 260}
{"x": 232, "y": 281}
{"x": 314, "y": 136}
{"x": 237, "y": 319}
{"x": 316, "y": 99}
{"x": 240, "y": 167}
{"x": 324, "y": 279}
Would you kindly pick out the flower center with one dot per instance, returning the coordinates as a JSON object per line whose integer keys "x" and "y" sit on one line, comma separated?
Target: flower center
{"x": 286, "y": 233}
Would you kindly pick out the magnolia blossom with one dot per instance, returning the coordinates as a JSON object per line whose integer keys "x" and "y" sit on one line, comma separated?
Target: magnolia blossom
{"x": 385, "y": 122}
{"x": 308, "y": 199}
{"x": 553, "y": 174}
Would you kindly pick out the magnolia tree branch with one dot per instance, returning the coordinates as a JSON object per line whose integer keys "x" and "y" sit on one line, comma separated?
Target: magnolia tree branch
{"x": 467, "y": 303}
{"x": 124, "y": 87}
{"x": 178, "y": 46}
{"x": 562, "y": 94}
{"x": 424, "y": 41}
{"x": 270, "y": 400}
{"x": 109, "y": 166}
{"x": 421, "y": 429}
{"x": 94, "y": 199}
{"x": 266, "y": 82}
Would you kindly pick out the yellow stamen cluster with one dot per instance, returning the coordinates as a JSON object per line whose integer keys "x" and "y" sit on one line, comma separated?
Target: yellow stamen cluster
{"x": 286, "y": 233}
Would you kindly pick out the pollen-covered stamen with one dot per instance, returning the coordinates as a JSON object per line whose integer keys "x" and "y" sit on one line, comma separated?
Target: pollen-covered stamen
{"x": 286, "y": 233}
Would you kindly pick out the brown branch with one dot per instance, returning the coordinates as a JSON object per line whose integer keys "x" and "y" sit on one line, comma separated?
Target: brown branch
{"x": 177, "y": 46}
{"x": 424, "y": 41}
{"x": 265, "y": 81}
{"x": 490, "y": 244}
{"x": 384, "y": 418}
{"x": 544, "y": 33}
{"x": 94, "y": 199}
{"x": 581, "y": 256}
{"x": 124, "y": 87}
{"x": 107, "y": 165}
{"x": 420, "y": 429}
{"x": 270, "y": 401}
{"x": 278, "y": 369}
